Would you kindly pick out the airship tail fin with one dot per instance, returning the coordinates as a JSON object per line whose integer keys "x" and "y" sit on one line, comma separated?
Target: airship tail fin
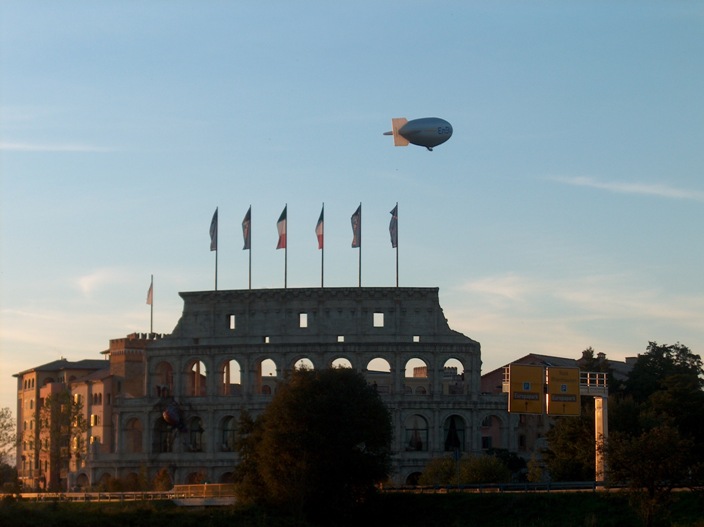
{"x": 397, "y": 123}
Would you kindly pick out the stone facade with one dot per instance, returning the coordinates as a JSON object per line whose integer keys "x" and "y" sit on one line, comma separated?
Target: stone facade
{"x": 174, "y": 401}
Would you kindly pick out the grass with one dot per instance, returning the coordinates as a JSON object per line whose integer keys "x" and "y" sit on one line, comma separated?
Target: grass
{"x": 581, "y": 509}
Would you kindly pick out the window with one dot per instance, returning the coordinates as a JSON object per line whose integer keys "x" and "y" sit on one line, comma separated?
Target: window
{"x": 378, "y": 320}
{"x": 231, "y": 320}
{"x": 266, "y": 340}
{"x": 340, "y": 338}
{"x": 416, "y": 338}
{"x": 303, "y": 320}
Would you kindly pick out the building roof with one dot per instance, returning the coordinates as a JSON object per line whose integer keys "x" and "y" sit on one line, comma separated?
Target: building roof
{"x": 64, "y": 364}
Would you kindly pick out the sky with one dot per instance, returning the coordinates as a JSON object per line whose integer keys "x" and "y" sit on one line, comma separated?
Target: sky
{"x": 565, "y": 212}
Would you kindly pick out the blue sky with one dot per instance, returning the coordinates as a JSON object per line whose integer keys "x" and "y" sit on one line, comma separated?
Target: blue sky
{"x": 565, "y": 212}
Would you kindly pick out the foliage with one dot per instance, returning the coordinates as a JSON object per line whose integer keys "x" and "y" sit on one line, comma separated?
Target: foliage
{"x": 570, "y": 454}
{"x": 651, "y": 465}
{"x": 8, "y": 437}
{"x": 62, "y": 430}
{"x": 320, "y": 445}
{"x": 470, "y": 470}
{"x": 162, "y": 480}
{"x": 659, "y": 363}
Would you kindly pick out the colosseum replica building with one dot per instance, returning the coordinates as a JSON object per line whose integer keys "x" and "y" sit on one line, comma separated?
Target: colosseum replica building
{"x": 171, "y": 404}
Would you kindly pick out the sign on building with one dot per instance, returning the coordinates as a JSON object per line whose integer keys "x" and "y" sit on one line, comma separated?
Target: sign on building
{"x": 526, "y": 393}
{"x": 563, "y": 391}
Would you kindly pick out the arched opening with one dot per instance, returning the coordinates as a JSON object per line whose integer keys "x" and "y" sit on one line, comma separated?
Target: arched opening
{"x": 229, "y": 430}
{"x": 195, "y": 435}
{"x": 82, "y": 481}
{"x": 303, "y": 364}
{"x": 454, "y": 434}
{"x": 416, "y": 377}
{"x": 133, "y": 436}
{"x": 231, "y": 378}
{"x": 163, "y": 437}
{"x": 453, "y": 377}
{"x": 416, "y": 434}
{"x": 266, "y": 377}
{"x": 197, "y": 376}
{"x": 379, "y": 374}
{"x": 163, "y": 379}
{"x": 413, "y": 478}
{"x": 341, "y": 363}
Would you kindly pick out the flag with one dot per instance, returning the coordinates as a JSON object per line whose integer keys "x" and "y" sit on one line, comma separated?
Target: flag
{"x": 247, "y": 229}
{"x": 357, "y": 227}
{"x": 281, "y": 226}
{"x": 320, "y": 228}
{"x": 150, "y": 294}
{"x": 393, "y": 227}
{"x": 214, "y": 232}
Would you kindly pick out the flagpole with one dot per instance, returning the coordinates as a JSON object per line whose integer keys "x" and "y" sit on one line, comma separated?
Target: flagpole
{"x": 250, "y": 246}
{"x": 151, "y": 306}
{"x": 322, "y": 251}
{"x": 360, "y": 244}
{"x": 286, "y": 251}
{"x": 150, "y": 303}
{"x": 397, "y": 245}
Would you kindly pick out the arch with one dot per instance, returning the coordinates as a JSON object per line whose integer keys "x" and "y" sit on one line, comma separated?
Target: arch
{"x": 453, "y": 377}
{"x": 413, "y": 478}
{"x": 454, "y": 434}
{"x": 164, "y": 379}
{"x": 304, "y": 363}
{"x": 341, "y": 362}
{"x": 228, "y": 427}
{"x": 133, "y": 436}
{"x": 378, "y": 374}
{"x": 265, "y": 377}
{"x": 163, "y": 437}
{"x": 231, "y": 378}
{"x": 104, "y": 481}
{"x": 197, "y": 376}
{"x": 195, "y": 435}
{"x": 82, "y": 481}
{"x": 416, "y": 433}
{"x": 416, "y": 368}
{"x": 416, "y": 377}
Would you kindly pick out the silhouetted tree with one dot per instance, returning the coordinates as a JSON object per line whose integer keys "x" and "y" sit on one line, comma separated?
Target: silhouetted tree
{"x": 8, "y": 436}
{"x": 319, "y": 446}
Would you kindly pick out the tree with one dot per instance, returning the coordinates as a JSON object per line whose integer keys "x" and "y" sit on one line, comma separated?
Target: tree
{"x": 470, "y": 470}
{"x": 659, "y": 362}
{"x": 571, "y": 446}
{"x": 650, "y": 465}
{"x": 62, "y": 430}
{"x": 8, "y": 436}
{"x": 320, "y": 445}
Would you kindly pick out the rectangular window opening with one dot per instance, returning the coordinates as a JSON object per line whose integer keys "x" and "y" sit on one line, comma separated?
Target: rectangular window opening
{"x": 303, "y": 320}
{"x": 378, "y": 320}
{"x": 231, "y": 320}
{"x": 416, "y": 338}
{"x": 266, "y": 340}
{"x": 340, "y": 338}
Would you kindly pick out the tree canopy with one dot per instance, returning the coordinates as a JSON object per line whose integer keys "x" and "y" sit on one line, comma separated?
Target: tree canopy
{"x": 7, "y": 434}
{"x": 321, "y": 444}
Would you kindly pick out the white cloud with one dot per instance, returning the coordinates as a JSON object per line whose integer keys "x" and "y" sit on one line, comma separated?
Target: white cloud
{"x": 93, "y": 281}
{"x": 649, "y": 189}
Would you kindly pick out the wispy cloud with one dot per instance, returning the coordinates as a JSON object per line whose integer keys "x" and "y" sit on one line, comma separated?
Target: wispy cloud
{"x": 91, "y": 282}
{"x": 44, "y": 147}
{"x": 648, "y": 189}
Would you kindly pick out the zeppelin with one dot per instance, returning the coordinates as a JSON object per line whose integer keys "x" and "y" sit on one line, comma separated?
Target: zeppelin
{"x": 428, "y": 132}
